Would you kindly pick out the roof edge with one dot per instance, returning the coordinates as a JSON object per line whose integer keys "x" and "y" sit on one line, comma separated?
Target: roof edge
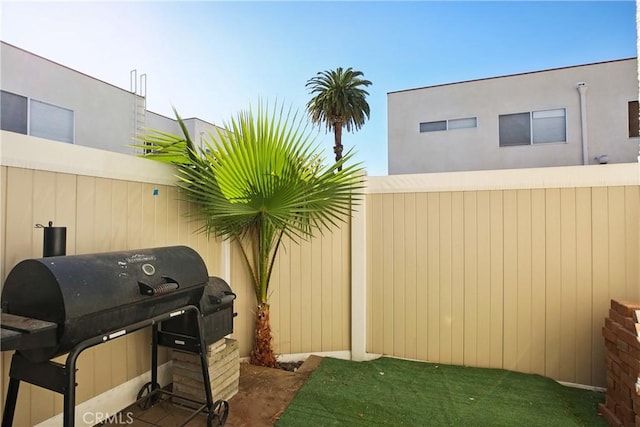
{"x": 513, "y": 75}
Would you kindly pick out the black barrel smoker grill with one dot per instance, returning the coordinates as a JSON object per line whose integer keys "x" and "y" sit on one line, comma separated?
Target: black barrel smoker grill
{"x": 66, "y": 304}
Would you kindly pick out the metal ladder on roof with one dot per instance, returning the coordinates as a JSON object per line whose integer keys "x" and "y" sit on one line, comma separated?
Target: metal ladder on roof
{"x": 139, "y": 105}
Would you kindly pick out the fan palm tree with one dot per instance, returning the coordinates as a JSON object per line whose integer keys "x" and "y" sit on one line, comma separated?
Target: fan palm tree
{"x": 339, "y": 101}
{"x": 259, "y": 180}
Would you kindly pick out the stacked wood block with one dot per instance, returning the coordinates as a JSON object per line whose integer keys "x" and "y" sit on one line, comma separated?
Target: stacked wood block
{"x": 621, "y": 333}
{"x": 223, "y": 359}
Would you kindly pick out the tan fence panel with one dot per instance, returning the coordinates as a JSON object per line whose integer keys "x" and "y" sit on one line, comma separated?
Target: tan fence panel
{"x": 100, "y": 215}
{"x": 518, "y": 279}
{"x": 309, "y": 295}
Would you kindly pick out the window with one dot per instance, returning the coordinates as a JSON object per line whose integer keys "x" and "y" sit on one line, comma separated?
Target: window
{"x": 470, "y": 122}
{"x": 51, "y": 122}
{"x": 32, "y": 117}
{"x": 537, "y": 127}
{"x": 433, "y": 126}
{"x": 634, "y": 122}
{"x": 13, "y": 112}
{"x": 514, "y": 129}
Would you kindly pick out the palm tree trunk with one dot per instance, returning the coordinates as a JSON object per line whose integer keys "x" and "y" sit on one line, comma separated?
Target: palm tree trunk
{"x": 262, "y": 353}
{"x": 337, "y": 147}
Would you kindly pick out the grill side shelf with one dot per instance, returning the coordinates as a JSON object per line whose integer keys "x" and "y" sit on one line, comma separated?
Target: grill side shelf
{"x": 21, "y": 333}
{"x": 25, "y": 324}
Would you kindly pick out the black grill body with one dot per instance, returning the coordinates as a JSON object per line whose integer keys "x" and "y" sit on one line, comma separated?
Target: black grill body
{"x": 89, "y": 295}
{"x": 216, "y": 309}
{"x": 66, "y": 304}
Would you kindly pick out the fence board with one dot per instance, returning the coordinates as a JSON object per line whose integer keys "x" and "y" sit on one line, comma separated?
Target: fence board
{"x": 445, "y": 284}
{"x": 497, "y": 278}
{"x": 632, "y": 239}
{"x": 295, "y": 318}
{"x": 398, "y": 268}
{"x": 410, "y": 266}
{"x": 510, "y": 326}
{"x": 483, "y": 266}
{"x": 538, "y": 290}
{"x": 470, "y": 279}
{"x": 422, "y": 279}
{"x": 457, "y": 278}
{"x": 617, "y": 242}
{"x": 584, "y": 290}
{"x": 434, "y": 254}
{"x": 552, "y": 282}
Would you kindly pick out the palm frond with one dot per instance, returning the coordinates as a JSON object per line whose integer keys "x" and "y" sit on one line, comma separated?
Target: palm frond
{"x": 260, "y": 178}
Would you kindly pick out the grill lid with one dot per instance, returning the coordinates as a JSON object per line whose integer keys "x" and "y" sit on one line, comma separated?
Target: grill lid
{"x": 88, "y": 295}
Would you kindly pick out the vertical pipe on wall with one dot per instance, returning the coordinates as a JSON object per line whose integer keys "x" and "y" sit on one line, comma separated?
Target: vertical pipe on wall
{"x": 582, "y": 90}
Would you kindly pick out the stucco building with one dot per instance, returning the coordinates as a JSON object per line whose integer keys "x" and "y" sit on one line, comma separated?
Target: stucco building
{"x": 584, "y": 114}
{"x": 45, "y": 99}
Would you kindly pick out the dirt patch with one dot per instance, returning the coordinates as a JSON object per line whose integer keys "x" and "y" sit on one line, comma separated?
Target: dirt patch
{"x": 264, "y": 393}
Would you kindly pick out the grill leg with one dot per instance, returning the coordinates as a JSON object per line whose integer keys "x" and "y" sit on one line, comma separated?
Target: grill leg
{"x": 70, "y": 400}
{"x": 10, "y": 404}
{"x": 203, "y": 362}
{"x": 154, "y": 356}
{"x": 150, "y": 387}
{"x": 70, "y": 389}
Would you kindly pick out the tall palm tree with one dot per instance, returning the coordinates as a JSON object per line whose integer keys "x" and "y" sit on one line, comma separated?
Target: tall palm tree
{"x": 339, "y": 101}
{"x": 257, "y": 181}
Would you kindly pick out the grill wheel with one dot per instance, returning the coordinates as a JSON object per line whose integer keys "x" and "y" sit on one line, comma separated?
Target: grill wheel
{"x": 219, "y": 413}
{"x": 146, "y": 393}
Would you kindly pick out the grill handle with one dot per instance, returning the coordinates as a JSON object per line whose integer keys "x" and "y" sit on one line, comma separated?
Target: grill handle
{"x": 167, "y": 285}
{"x": 226, "y": 299}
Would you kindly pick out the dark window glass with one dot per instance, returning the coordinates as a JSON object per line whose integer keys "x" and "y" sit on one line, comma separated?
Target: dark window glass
{"x": 433, "y": 126}
{"x": 634, "y": 122}
{"x": 515, "y": 129}
{"x": 13, "y": 112}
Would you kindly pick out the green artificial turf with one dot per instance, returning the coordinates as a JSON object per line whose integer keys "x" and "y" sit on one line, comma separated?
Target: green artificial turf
{"x": 399, "y": 392}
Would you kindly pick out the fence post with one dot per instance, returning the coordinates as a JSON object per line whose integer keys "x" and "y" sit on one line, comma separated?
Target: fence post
{"x": 359, "y": 279}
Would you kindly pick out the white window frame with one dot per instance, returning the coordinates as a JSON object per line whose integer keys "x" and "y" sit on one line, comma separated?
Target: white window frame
{"x": 29, "y": 119}
{"x": 47, "y": 134}
{"x": 542, "y": 114}
{"x": 447, "y": 124}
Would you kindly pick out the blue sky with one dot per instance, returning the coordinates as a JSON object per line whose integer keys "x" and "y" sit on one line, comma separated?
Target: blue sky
{"x": 212, "y": 59}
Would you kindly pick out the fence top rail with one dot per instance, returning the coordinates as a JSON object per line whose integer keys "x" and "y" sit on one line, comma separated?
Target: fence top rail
{"x": 620, "y": 174}
{"x": 28, "y": 152}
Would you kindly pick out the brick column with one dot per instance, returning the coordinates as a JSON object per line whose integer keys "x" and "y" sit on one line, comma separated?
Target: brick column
{"x": 621, "y": 333}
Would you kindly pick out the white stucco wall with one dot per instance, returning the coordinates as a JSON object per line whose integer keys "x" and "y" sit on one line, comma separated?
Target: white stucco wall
{"x": 103, "y": 113}
{"x": 197, "y": 128}
{"x": 162, "y": 123}
{"x": 610, "y": 86}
